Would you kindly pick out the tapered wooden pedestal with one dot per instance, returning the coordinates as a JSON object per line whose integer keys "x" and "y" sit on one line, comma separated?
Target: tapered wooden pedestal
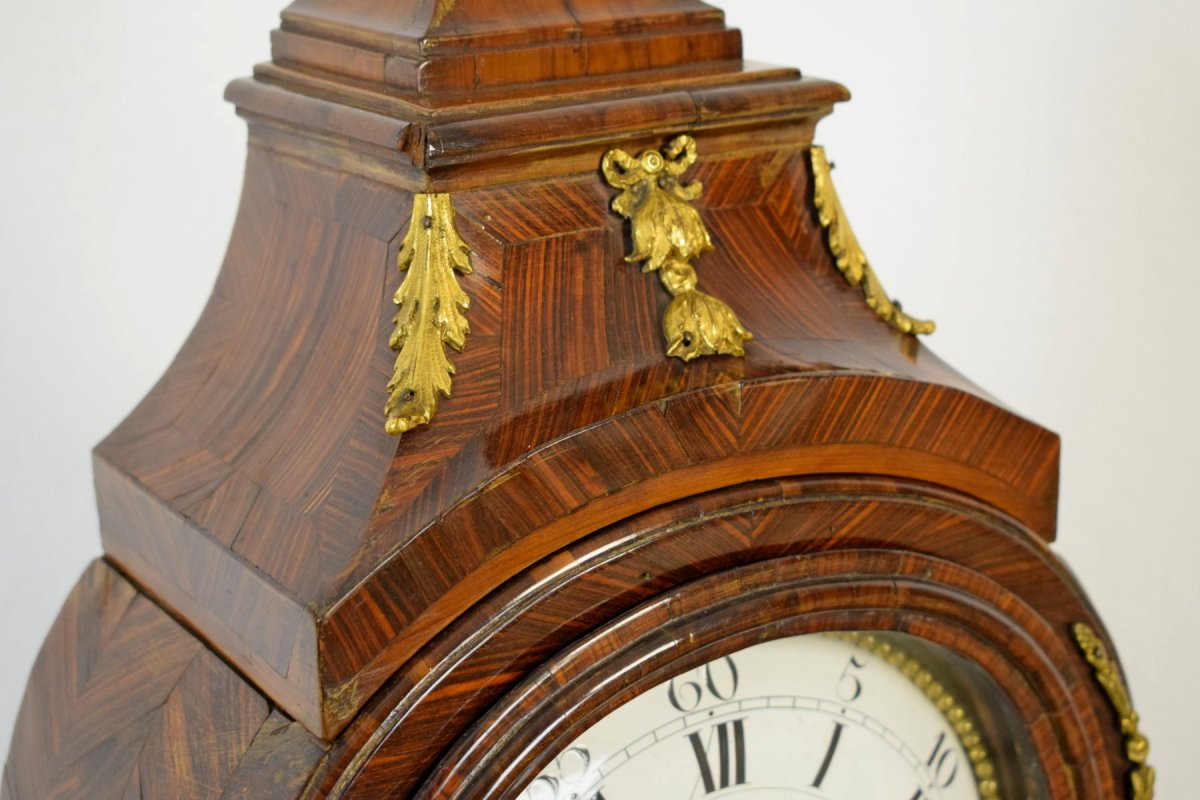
{"x": 293, "y": 603}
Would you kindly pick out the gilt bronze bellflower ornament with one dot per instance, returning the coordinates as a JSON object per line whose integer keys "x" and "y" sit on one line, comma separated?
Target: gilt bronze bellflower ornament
{"x": 668, "y": 235}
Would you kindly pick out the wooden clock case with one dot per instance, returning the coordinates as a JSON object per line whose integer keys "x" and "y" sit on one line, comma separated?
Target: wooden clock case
{"x": 295, "y": 604}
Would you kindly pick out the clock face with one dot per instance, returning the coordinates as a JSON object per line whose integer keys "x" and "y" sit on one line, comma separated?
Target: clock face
{"x": 838, "y": 718}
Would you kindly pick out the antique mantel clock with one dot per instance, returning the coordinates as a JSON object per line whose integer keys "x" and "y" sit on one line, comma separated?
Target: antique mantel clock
{"x": 630, "y": 483}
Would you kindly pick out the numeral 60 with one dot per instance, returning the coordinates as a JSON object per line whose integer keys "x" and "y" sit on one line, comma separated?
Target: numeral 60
{"x": 720, "y": 681}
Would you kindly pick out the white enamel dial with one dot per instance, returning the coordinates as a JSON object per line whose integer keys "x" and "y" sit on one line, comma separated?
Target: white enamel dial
{"x": 806, "y": 717}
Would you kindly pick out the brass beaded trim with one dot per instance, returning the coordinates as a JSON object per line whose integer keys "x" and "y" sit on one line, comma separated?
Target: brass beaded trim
{"x": 964, "y": 727}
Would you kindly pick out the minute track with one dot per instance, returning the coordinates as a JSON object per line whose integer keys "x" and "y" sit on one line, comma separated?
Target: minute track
{"x": 859, "y": 729}
{"x": 729, "y": 770}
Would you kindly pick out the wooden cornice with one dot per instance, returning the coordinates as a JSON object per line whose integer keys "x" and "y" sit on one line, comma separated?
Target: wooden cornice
{"x": 438, "y": 47}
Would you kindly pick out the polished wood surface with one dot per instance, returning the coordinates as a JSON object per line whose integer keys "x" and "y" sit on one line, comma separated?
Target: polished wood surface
{"x": 256, "y": 490}
{"x": 125, "y": 703}
{"x": 435, "y": 47}
{"x": 378, "y": 597}
{"x": 704, "y": 576}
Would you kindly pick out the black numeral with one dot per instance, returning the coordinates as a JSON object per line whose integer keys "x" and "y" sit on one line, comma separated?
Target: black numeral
{"x": 943, "y": 763}
{"x": 570, "y": 769}
{"x": 850, "y": 686}
{"x": 731, "y": 756}
{"x": 687, "y": 696}
{"x": 833, "y": 744}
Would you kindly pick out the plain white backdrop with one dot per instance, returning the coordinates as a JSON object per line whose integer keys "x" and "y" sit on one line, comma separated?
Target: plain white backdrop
{"x": 1026, "y": 172}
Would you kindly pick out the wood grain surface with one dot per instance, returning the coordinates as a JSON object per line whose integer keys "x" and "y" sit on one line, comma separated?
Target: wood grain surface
{"x": 438, "y": 47}
{"x": 386, "y": 594}
{"x": 692, "y": 580}
{"x": 256, "y": 492}
{"x": 124, "y": 703}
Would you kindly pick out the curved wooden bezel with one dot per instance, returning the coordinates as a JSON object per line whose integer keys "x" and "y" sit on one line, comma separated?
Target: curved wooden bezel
{"x": 485, "y": 706}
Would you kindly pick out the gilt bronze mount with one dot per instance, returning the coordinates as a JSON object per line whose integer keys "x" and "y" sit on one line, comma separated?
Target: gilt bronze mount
{"x": 668, "y": 236}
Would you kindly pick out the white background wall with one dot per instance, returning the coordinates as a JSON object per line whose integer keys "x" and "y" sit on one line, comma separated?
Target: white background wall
{"x": 1025, "y": 172}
